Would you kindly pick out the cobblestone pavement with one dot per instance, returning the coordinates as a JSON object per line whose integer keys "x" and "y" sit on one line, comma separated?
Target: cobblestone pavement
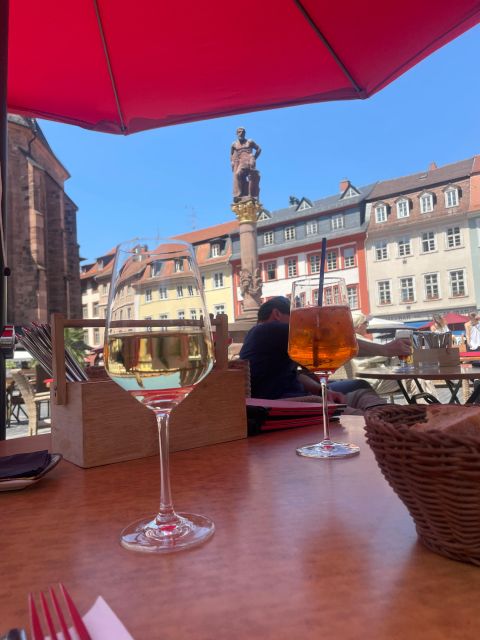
{"x": 20, "y": 429}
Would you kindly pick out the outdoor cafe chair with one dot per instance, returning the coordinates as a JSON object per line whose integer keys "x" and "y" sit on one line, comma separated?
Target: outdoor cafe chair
{"x": 32, "y": 400}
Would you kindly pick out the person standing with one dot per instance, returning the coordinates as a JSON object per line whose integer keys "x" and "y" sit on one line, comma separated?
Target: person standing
{"x": 472, "y": 332}
{"x": 439, "y": 325}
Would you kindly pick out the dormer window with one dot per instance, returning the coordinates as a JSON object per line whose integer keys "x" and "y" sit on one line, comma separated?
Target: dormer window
{"x": 338, "y": 221}
{"x": 381, "y": 213}
{"x": 289, "y": 233}
{"x": 451, "y": 197}
{"x": 403, "y": 208}
{"x": 304, "y": 204}
{"x": 426, "y": 202}
{"x": 155, "y": 268}
{"x": 312, "y": 228}
{"x": 217, "y": 247}
{"x": 350, "y": 192}
{"x": 263, "y": 215}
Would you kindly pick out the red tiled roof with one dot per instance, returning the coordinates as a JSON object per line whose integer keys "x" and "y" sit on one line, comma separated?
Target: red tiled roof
{"x": 109, "y": 253}
{"x": 90, "y": 272}
{"x": 210, "y": 232}
{"x": 203, "y": 255}
{"x": 96, "y": 270}
{"x": 422, "y": 180}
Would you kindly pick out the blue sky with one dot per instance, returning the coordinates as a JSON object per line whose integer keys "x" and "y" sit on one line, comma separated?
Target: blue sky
{"x": 176, "y": 179}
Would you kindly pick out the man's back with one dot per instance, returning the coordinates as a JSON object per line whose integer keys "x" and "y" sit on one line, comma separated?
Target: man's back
{"x": 273, "y": 374}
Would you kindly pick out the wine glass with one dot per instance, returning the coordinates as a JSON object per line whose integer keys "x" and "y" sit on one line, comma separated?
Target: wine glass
{"x": 321, "y": 339}
{"x": 159, "y": 362}
{"x": 406, "y": 361}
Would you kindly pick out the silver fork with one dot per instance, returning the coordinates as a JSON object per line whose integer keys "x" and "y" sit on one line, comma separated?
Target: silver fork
{"x": 36, "y": 626}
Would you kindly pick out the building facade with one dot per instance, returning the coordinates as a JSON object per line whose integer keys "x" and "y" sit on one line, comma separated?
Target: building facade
{"x": 407, "y": 248}
{"x": 213, "y": 250}
{"x": 420, "y": 255}
{"x": 41, "y": 230}
{"x": 161, "y": 295}
{"x": 474, "y": 225}
{"x": 95, "y": 285}
{"x": 289, "y": 243}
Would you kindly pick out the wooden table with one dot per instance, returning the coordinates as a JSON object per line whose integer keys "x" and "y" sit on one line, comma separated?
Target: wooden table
{"x": 452, "y": 376}
{"x": 304, "y": 549}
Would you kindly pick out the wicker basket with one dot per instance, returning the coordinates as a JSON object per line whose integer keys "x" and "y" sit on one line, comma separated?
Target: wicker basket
{"x": 437, "y": 476}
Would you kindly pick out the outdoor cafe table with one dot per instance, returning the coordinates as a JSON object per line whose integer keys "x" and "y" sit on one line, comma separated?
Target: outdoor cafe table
{"x": 303, "y": 549}
{"x": 452, "y": 376}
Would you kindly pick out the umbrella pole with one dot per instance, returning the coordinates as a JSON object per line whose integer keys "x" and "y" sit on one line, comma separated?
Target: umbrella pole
{"x": 4, "y": 7}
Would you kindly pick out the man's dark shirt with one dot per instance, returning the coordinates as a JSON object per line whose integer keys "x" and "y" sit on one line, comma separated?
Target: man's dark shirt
{"x": 272, "y": 373}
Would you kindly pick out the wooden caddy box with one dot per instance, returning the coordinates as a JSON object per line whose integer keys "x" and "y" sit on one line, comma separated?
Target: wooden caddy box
{"x": 96, "y": 422}
{"x": 448, "y": 357}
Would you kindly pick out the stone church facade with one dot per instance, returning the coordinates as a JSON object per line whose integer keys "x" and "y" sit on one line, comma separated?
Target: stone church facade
{"x": 42, "y": 248}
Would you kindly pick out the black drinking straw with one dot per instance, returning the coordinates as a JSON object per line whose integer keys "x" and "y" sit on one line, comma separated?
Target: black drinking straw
{"x": 323, "y": 258}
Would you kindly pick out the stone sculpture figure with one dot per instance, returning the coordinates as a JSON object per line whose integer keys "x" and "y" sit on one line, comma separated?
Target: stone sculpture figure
{"x": 246, "y": 177}
{"x": 251, "y": 284}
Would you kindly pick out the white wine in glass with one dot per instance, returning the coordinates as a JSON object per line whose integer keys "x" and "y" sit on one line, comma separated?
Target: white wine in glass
{"x": 157, "y": 354}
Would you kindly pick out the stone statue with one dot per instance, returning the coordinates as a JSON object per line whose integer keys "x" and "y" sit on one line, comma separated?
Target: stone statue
{"x": 246, "y": 177}
{"x": 251, "y": 284}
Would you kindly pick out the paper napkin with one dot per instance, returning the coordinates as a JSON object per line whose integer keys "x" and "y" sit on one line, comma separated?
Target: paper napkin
{"x": 24, "y": 465}
{"x": 102, "y": 624}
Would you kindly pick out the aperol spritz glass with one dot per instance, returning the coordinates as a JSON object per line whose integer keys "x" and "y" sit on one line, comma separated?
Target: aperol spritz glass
{"x": 321, "y": 339}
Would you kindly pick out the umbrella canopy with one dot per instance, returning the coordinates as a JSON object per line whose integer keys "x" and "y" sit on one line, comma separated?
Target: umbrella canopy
{"x": 384, "y": 326}
{"x": 450, "y": 318}
{"x": 120, "y": 66}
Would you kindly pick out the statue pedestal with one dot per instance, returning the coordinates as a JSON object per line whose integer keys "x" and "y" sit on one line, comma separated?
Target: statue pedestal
{"x": 238, "y": 330}
{"x": 248, "y": 316}
{"x": 250, "y": 279}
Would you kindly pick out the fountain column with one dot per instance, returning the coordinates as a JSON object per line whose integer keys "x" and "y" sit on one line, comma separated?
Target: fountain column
{"x": 250, "y": 278}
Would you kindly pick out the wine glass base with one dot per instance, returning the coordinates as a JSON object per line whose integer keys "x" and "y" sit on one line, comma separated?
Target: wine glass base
{"x": 146, "y": 536}
{"x": 329, "y": 449}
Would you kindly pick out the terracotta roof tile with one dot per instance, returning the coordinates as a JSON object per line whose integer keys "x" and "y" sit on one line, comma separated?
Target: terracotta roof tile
{"x": 90, "y": 272}
{"x": 203, "y": 255}
{"x": 210, "y": 232}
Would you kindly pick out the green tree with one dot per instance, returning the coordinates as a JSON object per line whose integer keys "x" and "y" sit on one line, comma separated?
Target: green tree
{"x": 75, "y": 343}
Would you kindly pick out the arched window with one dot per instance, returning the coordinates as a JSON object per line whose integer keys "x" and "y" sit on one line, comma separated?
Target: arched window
{"x": 451, "y": 197}
{"x": 381, "y": 213}
{"x": 426, "y": 202}
{"x": 403, "y": 208}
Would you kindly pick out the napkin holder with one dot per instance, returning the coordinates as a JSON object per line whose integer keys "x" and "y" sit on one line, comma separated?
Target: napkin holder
{"x": 446, "y": 357}
{"x": 96, "y": 422}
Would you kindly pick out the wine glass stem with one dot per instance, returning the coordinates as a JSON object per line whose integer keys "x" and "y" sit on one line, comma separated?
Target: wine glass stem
{"x": 166, "y": 513}
{"x": 323, "y": 384}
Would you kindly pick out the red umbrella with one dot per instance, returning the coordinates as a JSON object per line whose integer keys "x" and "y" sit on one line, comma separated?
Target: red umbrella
{"x": 450, "y": 318}
{"x": 122, "y": 66}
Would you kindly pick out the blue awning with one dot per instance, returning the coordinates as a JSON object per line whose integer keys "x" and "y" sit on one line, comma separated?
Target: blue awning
{"x": 418, "y": 323}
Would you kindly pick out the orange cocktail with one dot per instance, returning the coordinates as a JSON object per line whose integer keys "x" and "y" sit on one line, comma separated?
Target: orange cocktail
{"x": 322, "y": 338}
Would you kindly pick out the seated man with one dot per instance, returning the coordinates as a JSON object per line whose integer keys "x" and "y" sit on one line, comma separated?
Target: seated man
{"x": 275, "y": 375}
